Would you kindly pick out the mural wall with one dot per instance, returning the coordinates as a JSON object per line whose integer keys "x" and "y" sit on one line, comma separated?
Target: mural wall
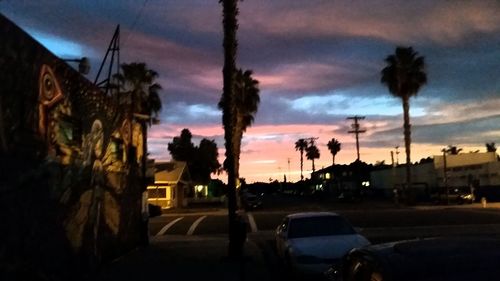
{"x": 70, "y": 176}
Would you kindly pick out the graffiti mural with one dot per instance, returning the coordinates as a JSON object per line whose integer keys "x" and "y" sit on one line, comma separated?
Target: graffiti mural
{"x": 67, "y": 175}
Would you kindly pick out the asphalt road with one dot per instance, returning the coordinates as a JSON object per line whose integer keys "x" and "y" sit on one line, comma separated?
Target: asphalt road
{"x": 376, "y": 222}
{"x": 191, "y": 244}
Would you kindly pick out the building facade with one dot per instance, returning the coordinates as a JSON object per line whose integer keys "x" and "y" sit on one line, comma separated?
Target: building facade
{"x": 71, "y": 183}
{"x": 477, "y": 171}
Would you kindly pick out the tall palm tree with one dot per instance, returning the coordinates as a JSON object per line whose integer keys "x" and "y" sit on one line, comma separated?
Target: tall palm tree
{"x": 404, "y": 75}
{"x": 139, "y": 82}
{"x": 334, "y": 147}
{"x": 246, "y": 100}
{"x": 230, "y": 26}
{"x": 312, "y": 152}
{"x": 301, "y": 145}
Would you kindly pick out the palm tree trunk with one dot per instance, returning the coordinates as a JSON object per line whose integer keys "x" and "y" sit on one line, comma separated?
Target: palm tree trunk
{"x": 313, "y": 165}
{"x": 3, "y": 139}
{"x": 301, "y": 164}
{"x": 230, "y": 25}
{"x": 407, "y": 136}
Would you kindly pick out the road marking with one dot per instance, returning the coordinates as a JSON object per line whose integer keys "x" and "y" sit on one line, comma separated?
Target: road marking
{"x": 251, "y": 221}
{"x": 169, "y": 225}
{"x": 195, "y": 225}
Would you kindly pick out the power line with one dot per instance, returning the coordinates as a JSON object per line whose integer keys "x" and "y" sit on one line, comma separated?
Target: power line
{"x": 139, "y": 14}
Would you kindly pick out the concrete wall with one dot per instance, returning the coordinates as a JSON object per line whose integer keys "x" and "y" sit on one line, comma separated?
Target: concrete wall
{"x": 421, "y": 174}
{"x": 70, "y": 194}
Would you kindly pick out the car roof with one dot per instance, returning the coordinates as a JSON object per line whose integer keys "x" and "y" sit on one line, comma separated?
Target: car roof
{"x": 311, "y": 214}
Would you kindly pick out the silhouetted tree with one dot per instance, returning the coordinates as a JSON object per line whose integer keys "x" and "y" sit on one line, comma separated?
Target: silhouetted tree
{"x": 334, "y": 147}
{"x": 138, "y": 83}
{"x": 206, "y": 160}
{"x": 453, "y": 150}
{"x": 312, "y": 152}
{"x": 182, "y": 148}
{"x": 246, "y": 99}
{"x": 491, "y": 147}
{"x": 202, "y": 160}
{"x": 426, "y": 160}
{"x": 404, "y": 75}
{"x": 301, "y": 145}
{"x": 230, "y": 26}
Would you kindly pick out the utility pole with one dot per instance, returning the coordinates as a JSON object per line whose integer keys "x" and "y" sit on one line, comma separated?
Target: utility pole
{"x": 288, "y": 168}
{"x": 311, "y": 140}
{"x": 397, "y": 154}
{"x": 356, "y": 130}
{"x": 445, "y": 177}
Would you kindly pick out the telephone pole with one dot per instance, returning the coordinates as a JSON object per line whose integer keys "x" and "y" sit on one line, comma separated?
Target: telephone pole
{"x": 356, "y": 130}
{"x": 288, "y": 168}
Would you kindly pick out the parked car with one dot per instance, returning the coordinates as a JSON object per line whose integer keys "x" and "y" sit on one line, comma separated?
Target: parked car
{"x": 310, "y": 242}
{"x": 457, "y": 195}
{"x": 431, "y": 259}
{"x": 251, "y": 201}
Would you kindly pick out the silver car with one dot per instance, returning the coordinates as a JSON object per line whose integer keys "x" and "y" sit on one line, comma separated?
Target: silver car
{"x": 311, "y": 242}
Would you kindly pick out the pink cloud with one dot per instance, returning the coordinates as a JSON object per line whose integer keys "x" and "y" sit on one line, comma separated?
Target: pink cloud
{"x": 267, "y": 149}
{"x": 408, "y": 22}
{"x": 308, "y": 77}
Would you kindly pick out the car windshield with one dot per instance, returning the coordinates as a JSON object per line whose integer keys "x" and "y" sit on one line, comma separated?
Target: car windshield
{"x": 319, "y": 226}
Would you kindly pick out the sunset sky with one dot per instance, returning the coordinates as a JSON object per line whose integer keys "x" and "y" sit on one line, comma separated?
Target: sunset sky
{"x": 318, "y": 62}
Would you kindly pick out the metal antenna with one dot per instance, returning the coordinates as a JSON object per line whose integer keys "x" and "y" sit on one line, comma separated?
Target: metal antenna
{"x": 113, "y": 48}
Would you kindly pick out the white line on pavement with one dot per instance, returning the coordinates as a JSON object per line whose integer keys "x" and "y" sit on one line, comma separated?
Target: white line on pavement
{"x": 169, "y": 225}
{"x": 194, "y": 225}
{"x": 251, "y": 221}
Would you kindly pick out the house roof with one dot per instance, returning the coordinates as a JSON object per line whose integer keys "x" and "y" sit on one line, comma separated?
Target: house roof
{"x": 170, "y": 172}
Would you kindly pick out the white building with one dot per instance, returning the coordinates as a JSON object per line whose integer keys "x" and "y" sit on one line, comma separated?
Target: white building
{"x": 480, "y": 170}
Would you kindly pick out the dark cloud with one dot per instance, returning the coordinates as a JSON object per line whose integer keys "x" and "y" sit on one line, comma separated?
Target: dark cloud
{"x": 469, "y": 132}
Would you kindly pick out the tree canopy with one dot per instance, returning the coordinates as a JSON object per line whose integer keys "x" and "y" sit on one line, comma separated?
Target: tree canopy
{"x": 138, "y": 84}
{"x": 202, "y": 160}
{"x": 334, "y": 146}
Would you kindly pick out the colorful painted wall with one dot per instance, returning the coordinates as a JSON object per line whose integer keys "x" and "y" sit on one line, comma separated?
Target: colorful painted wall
{"x": 70, "y": 170}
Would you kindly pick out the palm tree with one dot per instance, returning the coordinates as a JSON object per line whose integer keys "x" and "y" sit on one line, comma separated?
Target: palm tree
{"x": 230, "y": 26}
{"x": 404, "y": 75}
{"x": 453, "y": 150}
{"x": 334, "y": 147}
{"x": 139, "y": 82}
{"x": 312, "y": 152}
{"x": 490, "y": 147}
{"x": 301, "y": 146}
{"x": 246, "y": 100}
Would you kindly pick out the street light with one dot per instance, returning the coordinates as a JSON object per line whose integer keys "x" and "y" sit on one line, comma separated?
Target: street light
{"x": 83, "y": 64}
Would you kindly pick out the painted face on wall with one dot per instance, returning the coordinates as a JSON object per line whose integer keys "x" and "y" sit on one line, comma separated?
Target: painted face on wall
{"x": 49, "y": 94}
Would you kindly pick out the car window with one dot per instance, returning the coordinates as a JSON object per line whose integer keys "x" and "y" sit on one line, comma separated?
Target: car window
{"x": 319, "y": 226}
